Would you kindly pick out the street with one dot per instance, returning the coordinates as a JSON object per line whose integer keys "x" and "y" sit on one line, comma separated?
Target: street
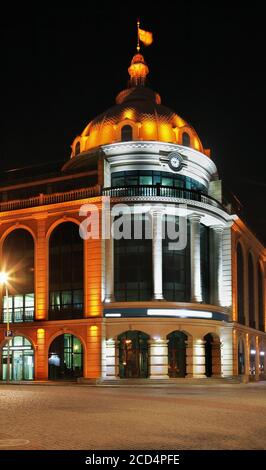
{"x": 183, "y": 417}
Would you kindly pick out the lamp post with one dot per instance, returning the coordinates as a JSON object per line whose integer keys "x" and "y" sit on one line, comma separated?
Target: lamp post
{"x": 3, "y": 281}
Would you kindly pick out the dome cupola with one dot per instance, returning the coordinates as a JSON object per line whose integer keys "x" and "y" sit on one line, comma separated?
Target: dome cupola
{"x": 138, "y": 115}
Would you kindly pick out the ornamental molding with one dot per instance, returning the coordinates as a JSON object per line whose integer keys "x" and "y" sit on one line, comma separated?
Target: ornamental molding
{"x": 199, "y": 205}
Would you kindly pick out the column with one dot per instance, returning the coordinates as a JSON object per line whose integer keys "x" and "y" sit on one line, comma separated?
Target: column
{"x": 196, "y": 288}
{"x": 41, "y": 360}
{"x": 94, "y": 352}
{"x": 41, "y": 271}
{"x": 227, "y": 338}
{"x": 158, "y": 359}
{"x": 247, "y": 356}
{"x": 196, "y": 359}
{"x": 109, "y": 269}
{"x": 112, "y": 359}
{"x": 217, "y": 265}
{"x": 157, "y": 254}
{"x": 257, "y": 360}
{"x": 93, "y": 271}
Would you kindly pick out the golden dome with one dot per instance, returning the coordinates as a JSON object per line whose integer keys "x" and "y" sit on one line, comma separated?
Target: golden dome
{"x": 137, "y": 115}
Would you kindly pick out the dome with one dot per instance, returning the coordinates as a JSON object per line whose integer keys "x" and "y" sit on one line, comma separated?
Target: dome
{"x": 137, "y": 115}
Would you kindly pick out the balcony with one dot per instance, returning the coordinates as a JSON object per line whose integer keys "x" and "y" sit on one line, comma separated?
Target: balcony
{"x": 19, "y": 315}
{"x": 161, "y": 191}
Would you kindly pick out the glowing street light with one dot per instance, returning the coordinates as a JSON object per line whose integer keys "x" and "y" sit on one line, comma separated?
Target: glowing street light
{"x": 4, "y": 281}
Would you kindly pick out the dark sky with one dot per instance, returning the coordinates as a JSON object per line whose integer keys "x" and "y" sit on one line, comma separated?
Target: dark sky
{"x": 61, "y": 66}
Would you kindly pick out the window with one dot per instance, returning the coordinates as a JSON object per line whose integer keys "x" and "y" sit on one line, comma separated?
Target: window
{"x": 185, "y": 139}
{"x": 176, "y": 265}
{"x": 251, "y": 306}
{"x": 133, "y": 266}
{"x": 18, "y": 257}
{"x": 149, "y": 177}
{"x": 65, "y": 358}
{"x": 20, "y": 308}
{"x": 205, "y": 263}
{"x": 126, "y": 133}
{"x": 240, "y": 285}
{"x": 21, "y": 356}
{"x": 66, "y": 272}
{"x": 260, "y": 298}
{"x": 77, "y": 148}
{"x": 133, "y": 354}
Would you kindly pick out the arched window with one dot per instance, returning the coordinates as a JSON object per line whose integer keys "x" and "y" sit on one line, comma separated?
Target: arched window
{"x": 240, "y": 285}
{"x": 177, "y": 354}
{"x": 212, "y": 355}
{"x": 126, "y": 133}
{"x": 66, "y": 272}
{"x": 65, "y": 358}
{"x": 251, "y": 305}
{"x": 77, "y": 148}
{"x": 21, "y": 359}
{"x": 185, "y": 139}
{"x": 261, "y": 298}
{"x": 18, "y": 259}
{"x": 133, "y": 354}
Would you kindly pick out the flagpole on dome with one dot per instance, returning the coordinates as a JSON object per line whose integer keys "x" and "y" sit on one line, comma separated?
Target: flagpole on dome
{"x": 138, "y": 45}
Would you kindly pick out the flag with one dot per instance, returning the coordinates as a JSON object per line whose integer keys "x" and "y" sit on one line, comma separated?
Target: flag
{"x": 145, "y": 37}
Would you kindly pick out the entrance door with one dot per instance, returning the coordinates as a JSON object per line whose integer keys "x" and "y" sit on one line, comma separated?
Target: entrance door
{"x": 65, "y": 358}
{"x": 177, "y": 354}
{"x": 133, "y": 355}
{"x": 208, "y": 354}
{"x": 21, "y": 356}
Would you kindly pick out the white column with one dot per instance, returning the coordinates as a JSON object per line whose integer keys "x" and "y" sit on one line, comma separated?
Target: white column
{"x": 217, "y": 265}
{"x": 112, "y": 359}
{"x": 158, "y": 359}
{"x": 227, "y": 352}
{"x": 196, "y": 359}
{"x": 157, "y": 254}
{"x": 109, "y": 269}
{"x": 196, "y": 287}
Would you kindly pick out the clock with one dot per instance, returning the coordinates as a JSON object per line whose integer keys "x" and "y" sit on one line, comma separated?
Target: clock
{"x": 175, "y": 161}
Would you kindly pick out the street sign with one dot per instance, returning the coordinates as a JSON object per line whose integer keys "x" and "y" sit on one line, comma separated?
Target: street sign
{"x": 8, "y": 334}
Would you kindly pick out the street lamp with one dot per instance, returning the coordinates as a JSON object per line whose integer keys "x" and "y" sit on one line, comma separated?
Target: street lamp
{"x": 4, "y": 282}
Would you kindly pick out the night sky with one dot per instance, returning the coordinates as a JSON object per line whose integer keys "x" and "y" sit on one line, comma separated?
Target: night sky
{"x": 61, "y": 66}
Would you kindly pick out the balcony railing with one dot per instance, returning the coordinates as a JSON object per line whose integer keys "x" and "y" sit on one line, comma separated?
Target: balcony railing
{"x": 45, "y": 199}
{"x": 94, "y": 191}
{"x": 19, "y": 315}
{"x": 162, "y": 191}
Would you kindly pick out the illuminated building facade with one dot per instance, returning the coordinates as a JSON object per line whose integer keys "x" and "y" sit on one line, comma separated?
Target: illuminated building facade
{"x": 113, "y": 309}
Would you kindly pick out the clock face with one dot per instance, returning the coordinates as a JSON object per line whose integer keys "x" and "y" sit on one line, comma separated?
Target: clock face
{"x": 175, "y": 162}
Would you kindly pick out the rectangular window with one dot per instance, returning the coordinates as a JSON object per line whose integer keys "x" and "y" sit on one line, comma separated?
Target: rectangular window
{"x": 145, "y": 180}
{"x": 167, "y": 181}
{"x": 20, "y": 308}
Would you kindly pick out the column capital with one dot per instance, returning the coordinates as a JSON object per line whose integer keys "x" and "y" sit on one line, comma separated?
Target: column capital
{"x": 217, "y": 228}
{"x": 160, "y": 210}
{"x": 194, "y": 217}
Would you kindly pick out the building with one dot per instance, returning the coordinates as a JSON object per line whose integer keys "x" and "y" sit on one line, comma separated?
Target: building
{"x": 105, "y": 308}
